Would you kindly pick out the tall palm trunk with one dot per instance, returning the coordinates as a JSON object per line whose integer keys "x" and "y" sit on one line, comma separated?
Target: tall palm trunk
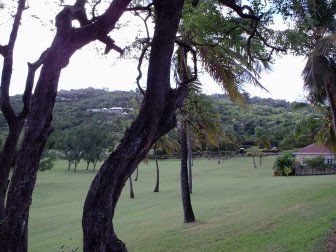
{"x": 157, "y": 185}
{"x": 131, "y": 187}
{"x": 190, "y": 159}
{"x": 137, "y": 174}
{"x": 186, "y": 201}
{"x": 331, "y": 102}
{"x": 218, "y": 151}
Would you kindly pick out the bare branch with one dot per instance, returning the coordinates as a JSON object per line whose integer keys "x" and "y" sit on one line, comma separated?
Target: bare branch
{"x": 94, "y": 8}
{"x": 142, "y": 55}
{"x": 32, "y": 67}
{"x": 3, "y": 50}
{"x": 240, "y": 9}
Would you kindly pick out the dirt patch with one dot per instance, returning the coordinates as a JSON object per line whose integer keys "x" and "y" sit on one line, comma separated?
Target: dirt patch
{"x": 330, "y": 245}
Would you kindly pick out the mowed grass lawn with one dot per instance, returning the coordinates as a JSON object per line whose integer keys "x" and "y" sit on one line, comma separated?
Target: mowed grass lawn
{"x": 237, "y": 207}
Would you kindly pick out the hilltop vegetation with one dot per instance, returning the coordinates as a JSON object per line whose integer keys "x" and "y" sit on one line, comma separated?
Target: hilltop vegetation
{"x": 79, "y": 109}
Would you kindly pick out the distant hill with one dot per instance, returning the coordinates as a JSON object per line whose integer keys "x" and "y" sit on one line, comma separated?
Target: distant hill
{"x": 276, "y": 118}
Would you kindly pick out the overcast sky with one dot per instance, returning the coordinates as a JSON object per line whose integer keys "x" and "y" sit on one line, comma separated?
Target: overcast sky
{"x": 88, "y": 68}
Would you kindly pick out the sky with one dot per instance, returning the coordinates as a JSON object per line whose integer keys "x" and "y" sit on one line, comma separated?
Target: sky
{"x": 89, "y": 68}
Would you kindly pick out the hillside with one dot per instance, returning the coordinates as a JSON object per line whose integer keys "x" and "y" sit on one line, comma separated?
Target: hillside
{"x": 275, "y": 118}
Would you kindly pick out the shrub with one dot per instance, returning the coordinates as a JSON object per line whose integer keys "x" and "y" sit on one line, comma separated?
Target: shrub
{"x": 316, "y": 162}
{"x": 285, "y": 163}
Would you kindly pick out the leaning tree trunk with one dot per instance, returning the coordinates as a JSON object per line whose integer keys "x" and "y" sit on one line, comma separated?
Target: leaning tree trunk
{"x": 186, "y": 201}
{"x": 156, "y": 118}
{"x": 157, "y": 185}
{"x": 14, "y": 225}
{"x": 254, "y": 163}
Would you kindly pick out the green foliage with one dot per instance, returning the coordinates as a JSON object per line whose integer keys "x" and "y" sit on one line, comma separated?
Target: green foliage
{"x": 46, "y": 164}
{"x": 316, "y": 162}
{"x": 271, "y": 121}
{"x": 285, "y": 163}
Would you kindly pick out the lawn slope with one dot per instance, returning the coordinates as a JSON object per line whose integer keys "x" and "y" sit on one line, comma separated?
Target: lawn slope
{"x": 237, "y": 207}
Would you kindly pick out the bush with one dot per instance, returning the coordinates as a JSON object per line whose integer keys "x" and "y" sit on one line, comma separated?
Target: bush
{"x": 316, "y": 162}
{"x": 285, "y": 163}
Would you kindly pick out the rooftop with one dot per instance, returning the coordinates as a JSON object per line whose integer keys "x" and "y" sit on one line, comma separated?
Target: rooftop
{"x": 314, "y": 148}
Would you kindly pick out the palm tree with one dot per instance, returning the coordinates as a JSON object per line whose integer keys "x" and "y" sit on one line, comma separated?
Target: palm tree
{"x": 167, "y": 144}
{"x": 317, "y": 19}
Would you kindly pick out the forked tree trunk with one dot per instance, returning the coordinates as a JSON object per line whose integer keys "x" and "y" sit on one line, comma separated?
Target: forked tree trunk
{"x": 157, "y": 184}
{"x": 14, "y": 225}
{"x": 156, "y": 118}
{"x": 186, "y": 201}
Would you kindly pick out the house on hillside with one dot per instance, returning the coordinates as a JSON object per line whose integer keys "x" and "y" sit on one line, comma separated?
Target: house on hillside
{"x": 315, "y": 150}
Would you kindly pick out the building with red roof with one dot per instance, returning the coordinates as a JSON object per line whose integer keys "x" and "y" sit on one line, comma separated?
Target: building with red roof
{"x": 315, "y": 150}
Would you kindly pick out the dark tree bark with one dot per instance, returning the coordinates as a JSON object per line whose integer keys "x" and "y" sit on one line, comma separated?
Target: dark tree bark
{"x": 157, "y": 184}
{"x": 14, "y": 223}
{"x": 186, "y": 201}
{"x": 156, "y": 118}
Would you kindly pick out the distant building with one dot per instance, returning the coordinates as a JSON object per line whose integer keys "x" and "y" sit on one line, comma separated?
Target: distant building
{"x": 315, "y": 150}
{"x": 116, "y": 110}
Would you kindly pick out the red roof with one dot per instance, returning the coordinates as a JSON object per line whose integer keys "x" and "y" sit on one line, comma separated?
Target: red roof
{"x": 318, "y": 149}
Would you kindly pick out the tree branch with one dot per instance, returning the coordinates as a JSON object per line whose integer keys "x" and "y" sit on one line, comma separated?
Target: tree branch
{"x": 32, "y": 67}
{"x": 142, "y": 55}
{"x": 194, "y": 54}
{"x": 110, "y": 44}
{"x": 3, "y": 50}
{"x": 240, "y": 9}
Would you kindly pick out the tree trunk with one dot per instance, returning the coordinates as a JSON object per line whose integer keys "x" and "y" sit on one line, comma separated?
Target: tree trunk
{"x": 186, "y": 201}
{"x": 254, "y": 163}
{"x": 131, "y": 187}
{"x": 156, "y": 118}
{"x": 137, "y": 174}
{"x": 94, "y": 165}
{"x": 14, "y": 225}
{"x": 7, "y": 156}
{"x": 331, "y": 102}
{"x": 209, "y": 152}
{"x": 189, "y": 159}
{"x": 218, "y": 151}
{"x": 157, "y": 185}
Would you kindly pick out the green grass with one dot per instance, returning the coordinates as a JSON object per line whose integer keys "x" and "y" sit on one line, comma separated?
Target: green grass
{"x": 237, "y": 207}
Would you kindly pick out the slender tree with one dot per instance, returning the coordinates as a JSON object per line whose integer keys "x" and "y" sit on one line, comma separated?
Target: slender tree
{"x": 168, "y": 145}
